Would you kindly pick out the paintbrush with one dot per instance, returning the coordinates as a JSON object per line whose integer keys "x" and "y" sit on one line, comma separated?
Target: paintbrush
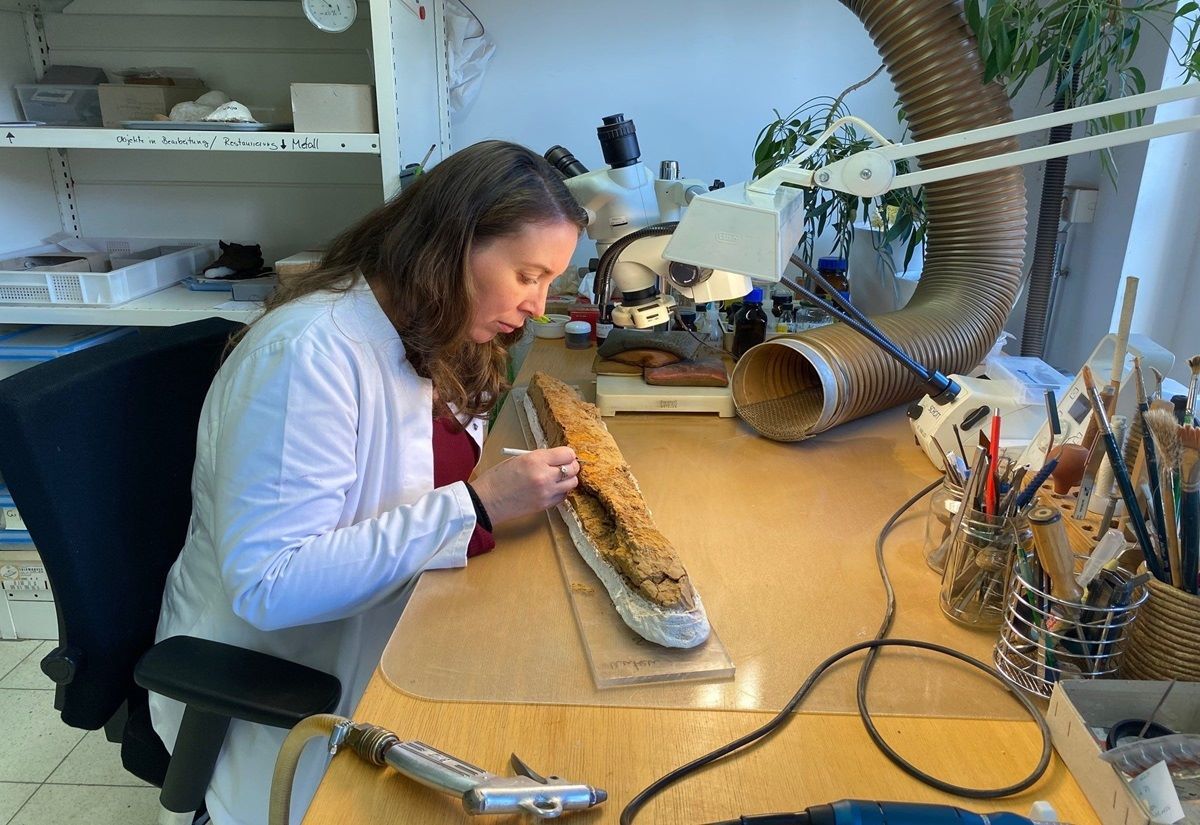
{"x": 1160, "y": 525}
{"x": 1158, "y": 382}
{"x": 1165, "y": 431}
{"x": 1189, "y": 508}
{"x": 1121, "y": 473}
{"x": 1188, "y": 417}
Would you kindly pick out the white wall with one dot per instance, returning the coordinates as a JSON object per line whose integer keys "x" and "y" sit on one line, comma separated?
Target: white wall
{"x": 1096, "y": 260}
{"x": 1164, "y": 242}
{"x": 699, "y": 77}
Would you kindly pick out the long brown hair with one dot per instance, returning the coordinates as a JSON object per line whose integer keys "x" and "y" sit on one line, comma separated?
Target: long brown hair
{"x": 417, "y": 248}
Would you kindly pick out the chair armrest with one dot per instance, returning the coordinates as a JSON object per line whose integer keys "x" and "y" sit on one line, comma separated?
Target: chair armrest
{"x": 236, "y": 682}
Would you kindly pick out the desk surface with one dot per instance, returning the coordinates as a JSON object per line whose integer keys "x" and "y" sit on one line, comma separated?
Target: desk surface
{"x": 487, "y": 660}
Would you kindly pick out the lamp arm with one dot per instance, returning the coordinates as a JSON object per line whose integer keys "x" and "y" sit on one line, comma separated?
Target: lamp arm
{"x": 866, "y": 173}
{"x": 794, "y": 172}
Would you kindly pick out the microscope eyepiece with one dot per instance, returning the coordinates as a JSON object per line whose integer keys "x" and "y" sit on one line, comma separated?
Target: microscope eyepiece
{"x": 618, "y": 141}
{"x": 561, "y": 159}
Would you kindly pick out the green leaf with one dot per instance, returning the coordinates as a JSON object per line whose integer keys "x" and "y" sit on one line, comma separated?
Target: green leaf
{"x": 1139, "y": 80}
{"x": 974, "y": 20}
{"x": 1081, "y": 43}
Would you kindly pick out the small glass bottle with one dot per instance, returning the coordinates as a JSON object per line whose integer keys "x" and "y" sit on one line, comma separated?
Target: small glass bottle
{"x": 834, "y": 271}
{"x": 781, "y": 310}
{"x": 713, "y": 332}
{"x": 603, "y": 328}
{"x": 750, "y": 323}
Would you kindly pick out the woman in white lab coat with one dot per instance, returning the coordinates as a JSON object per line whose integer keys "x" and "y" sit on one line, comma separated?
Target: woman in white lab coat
{"x": 335, "y": 442}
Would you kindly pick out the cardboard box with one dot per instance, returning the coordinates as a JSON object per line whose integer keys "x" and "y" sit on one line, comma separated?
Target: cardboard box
{"x": 333, "y": 107}
{"x": 1079, "y": 706}
{"x": 120, "y": 102}
{"x": 297, "y": 264}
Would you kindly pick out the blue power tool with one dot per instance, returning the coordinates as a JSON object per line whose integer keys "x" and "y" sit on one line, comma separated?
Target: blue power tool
{"x": 860, "y": 812}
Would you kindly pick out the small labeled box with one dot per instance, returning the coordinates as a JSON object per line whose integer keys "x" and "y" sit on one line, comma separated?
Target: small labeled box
{"x": 60, "y": 104}
{"x": 333, "y": 107}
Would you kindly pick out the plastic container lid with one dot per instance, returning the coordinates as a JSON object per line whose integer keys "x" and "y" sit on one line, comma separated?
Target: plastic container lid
{"x": 577, "y": 327}
{"x": 9, "y": 330}
{"x": 754, "y": 296}
{"x": 42, "y": 343}
{"x": 835, "y": 264}
{"x": 1030, "y": 376}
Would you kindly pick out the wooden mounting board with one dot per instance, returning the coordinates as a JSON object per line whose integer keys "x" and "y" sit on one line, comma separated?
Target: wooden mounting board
{"x": 617, "y": 655}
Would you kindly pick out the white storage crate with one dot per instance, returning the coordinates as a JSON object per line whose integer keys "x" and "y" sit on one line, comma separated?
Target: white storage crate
{"x": 26, "y": 601}
{"x": 183, "y": 258}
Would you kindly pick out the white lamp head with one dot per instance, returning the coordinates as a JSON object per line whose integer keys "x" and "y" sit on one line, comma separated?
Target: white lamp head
{"x": 741, "y": 231}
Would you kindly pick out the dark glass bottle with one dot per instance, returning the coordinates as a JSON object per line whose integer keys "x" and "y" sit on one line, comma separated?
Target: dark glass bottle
{"x": 834, "y": 271}
{"x": 749, "y": 324}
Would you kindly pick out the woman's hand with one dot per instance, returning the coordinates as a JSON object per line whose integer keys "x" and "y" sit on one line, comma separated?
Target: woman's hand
{"x": 527, "y": 483}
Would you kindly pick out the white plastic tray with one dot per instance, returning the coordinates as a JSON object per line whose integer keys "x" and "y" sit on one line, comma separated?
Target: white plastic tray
{"x": 105, "y": 288}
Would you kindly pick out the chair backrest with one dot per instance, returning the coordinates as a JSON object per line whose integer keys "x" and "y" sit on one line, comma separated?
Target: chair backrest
{"x": 97, "y": 449}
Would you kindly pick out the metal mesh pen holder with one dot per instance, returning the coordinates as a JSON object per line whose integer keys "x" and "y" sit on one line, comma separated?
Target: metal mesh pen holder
{"x": 1045, "y": 640}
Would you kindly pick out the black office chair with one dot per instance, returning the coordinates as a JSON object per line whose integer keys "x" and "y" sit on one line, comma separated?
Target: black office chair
{"x": 97, "y": 449}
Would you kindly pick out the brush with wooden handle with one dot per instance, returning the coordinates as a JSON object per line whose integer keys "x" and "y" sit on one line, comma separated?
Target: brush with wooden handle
{"x": 1189, "y": 411}
{"x": 1121, "y": 473}
{"x": 1053, "y": 550}
{"x": 1121, "y": 343}
{"x": 1164, "y": 429}
{"x": 1189, "y": 509}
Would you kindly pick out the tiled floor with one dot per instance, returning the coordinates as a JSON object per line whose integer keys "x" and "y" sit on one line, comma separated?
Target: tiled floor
{"x": 52, "y": 774}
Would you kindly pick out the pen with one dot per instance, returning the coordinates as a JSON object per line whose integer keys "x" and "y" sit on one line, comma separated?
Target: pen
{"x": 518, "y": 451}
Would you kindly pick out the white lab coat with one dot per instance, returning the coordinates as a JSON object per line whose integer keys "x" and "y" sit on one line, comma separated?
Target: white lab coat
{"x": 313, "y": 511}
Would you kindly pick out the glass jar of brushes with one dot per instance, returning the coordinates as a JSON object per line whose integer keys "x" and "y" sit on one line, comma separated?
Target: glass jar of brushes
{"x": 979, "y": 556}
{"x": 944, "y": 504}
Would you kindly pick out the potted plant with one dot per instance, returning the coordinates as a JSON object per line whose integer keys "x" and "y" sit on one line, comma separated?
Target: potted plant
{"x": 1084, "y": 50}
{"x": 899, "y": 214}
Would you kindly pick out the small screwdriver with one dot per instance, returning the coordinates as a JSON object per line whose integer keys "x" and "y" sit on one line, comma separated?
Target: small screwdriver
{"x": 861, "y": 812}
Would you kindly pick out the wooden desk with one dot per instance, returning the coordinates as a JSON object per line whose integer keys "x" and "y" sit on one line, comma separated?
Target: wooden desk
{"x": 779, "y": 538}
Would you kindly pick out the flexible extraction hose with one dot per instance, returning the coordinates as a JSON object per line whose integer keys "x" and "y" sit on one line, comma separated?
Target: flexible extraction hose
{"x": 322, "y": 724}
{"x": 795, "y": 386}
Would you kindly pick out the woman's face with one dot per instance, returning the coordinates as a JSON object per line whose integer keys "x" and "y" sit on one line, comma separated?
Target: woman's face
{"x": 512, "y": 274}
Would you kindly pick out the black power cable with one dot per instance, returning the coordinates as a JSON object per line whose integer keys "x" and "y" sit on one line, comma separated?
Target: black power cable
{"x": 776, "y": 723}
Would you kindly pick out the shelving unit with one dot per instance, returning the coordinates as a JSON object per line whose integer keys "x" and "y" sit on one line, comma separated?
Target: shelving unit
{"x": 188, "y": 140}
{"x": 167, "y": 307}
{"x": 287, "y": 191}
